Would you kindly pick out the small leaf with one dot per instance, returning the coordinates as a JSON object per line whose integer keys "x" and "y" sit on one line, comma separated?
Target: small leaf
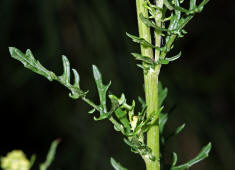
{"x": 163, "y": 117}
{"x": 50, "y": 155}
{"x": 140, "y": 148}
{"x": 201, "y": 156}
{"x": 102, "y": 90}
{"x": 145, "y": 59}
{"x": 167, "y": 60}
{"x": 162, "y": 94}
{"x": 122, "y": 116}
{"x": 65, "y": 77}
{"x": 143, "y": 42}
{"x": 174, "y": 160}
{"x": 147, "y": 22}
{"x": 117, "y": 165}
{"x": 91, "y": 111}
{"x": 76, "y": 78}
{"x": 176, "y": 132}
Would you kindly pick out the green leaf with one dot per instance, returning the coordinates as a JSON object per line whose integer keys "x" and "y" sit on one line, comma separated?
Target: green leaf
{"x": 176, "y": 132}
{"x": 147, "y": 22}
{"x": 167, "y": 60}
{"x": 163, "y": 117}
{"x": 31, "y": 63}
{"x": 145, "y": 59}
{"x": 192, "y": 4}
{"x": 204, "y": 153}
{"x": 162, "y": 94}
{"x": 122, "y": 116}
{"x": 92, "y": 111}
{"x": 140, "y": 148}
{"x": 168, "y": 5}
{"x": 65, "y": 77}
{"x": 174, "y": 160}
{"x": 50, "y": 155}
{"x": 102, "y": 90}
{"x": 116, "y": 165}
{"x": 143, "y": 42}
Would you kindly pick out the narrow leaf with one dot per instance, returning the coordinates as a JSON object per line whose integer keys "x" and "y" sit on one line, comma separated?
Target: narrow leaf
{"x": 50, "y": 155}
{"x": 162, "y": 94}
{"x": 163, "y": 117}
{"x": 116, "y": 165}
{"x": 167, "y": 60}
{"x": 76, "y": 78}
{"x": 143, "y": 42}
{"x": 204, "y": 153}
{"x": 174, "y": 160}
{"x": 145, "y": 59}
{"x": 65, "y": 77}
{"x": 176, "y": 132}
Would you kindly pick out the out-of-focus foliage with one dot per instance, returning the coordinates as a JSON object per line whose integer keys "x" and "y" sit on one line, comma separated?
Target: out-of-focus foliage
{"x": 201, "y": 85}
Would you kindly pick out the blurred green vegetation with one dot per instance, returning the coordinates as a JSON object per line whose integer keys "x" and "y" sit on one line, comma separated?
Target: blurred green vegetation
{"x": 34, "y": 111}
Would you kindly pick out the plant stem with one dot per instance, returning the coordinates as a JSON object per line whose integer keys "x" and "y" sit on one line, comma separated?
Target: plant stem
{"x": 151, "y": 81}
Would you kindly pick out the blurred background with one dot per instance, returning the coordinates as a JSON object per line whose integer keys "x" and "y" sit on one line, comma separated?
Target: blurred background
{"x": 35, "y": 111}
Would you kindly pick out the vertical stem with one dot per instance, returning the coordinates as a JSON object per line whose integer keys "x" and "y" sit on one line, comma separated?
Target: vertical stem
{"x": 151, "y": 81}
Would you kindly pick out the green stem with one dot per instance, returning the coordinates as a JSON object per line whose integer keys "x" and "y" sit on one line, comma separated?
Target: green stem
{"x": 151, "y": 81}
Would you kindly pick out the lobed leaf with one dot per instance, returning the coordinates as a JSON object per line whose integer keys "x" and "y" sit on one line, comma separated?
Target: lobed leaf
{"x": 102, "y": 90}
{"x": 31, "y": 63}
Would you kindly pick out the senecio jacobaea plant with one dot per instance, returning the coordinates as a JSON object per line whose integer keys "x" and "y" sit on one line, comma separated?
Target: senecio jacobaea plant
{"x": 143, "y": 130}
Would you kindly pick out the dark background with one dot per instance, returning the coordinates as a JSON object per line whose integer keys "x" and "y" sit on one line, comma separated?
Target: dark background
{"x": 35, "y": 111}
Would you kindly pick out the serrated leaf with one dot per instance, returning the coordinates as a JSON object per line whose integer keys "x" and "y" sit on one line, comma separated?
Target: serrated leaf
{"x": 31, "y": 63}
{"x": 102, "y": 90}
{"x": 116, "y": 165}
{"x": 204, "y": 153}
{"x": 50, "y": 155}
